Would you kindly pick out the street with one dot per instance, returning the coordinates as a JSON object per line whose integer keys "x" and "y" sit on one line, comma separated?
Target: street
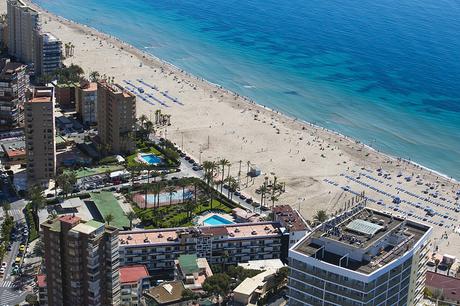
{"x": 8, "y": 293}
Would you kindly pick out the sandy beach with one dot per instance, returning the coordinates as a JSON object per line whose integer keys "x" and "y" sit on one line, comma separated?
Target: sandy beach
{"x": 320, "y": 168}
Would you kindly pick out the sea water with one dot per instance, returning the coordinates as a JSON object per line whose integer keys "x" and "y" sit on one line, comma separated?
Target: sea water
{"x": 386, "y": 72}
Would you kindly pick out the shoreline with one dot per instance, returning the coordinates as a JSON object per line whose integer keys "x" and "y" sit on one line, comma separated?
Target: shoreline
{"x": 146, "y": 56}
{"x": 321, "y": 168}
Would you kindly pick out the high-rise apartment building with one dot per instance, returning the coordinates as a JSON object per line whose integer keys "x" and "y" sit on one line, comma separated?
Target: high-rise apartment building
{"x": 48, "y": 55}
{"x": 40, "y": 134}
{"x": 361, "y": 257}
{"x": 13, "y": 84}
{"x": 23, "y": 29}
{"x": 116, "y": 115}
{"x": 81, "y": 262}
{"x": 86, "y": 103}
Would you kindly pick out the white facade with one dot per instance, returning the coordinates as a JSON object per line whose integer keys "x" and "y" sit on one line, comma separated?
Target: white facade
{"x": 399, "y": 280}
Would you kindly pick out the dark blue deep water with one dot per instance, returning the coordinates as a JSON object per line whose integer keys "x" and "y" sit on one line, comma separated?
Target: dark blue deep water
{"x": 386, "y": 72}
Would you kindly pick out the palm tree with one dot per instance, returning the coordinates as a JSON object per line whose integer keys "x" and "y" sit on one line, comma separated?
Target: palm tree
{"x": 146, "y": 188}
{"x": 45, "y": 79}
{"x": 449, "y": 266}
{"x": 6, "y": 207}
{"x": 171, "y": 190}
{"x": 263, "y": 190}
{"x": 149, "y": 130}
{"x": 37, "y": 201}
{"x": 223, "y": 163}
{"x": 182, "y": 183}
{"x": 131, "y": 216}
{"x": 66, "y": 181}
{"x": 436, "y": 263}
{"x": 109, "y": 218}
{"x": 156, "y": 189}
{"x": 274, "y": 199}
{"x": 94, "y": 76}
{"x": 134, "y": 171}
{"x": 53, "y": 215}
{"x": 232, "y": 185}
{"x": 189, "y": 206}
{"x": 143, "y": 118}
{"x": 320, "y": 216}
{"x": 194, "y": 190}
{"x": 157, "y": 116}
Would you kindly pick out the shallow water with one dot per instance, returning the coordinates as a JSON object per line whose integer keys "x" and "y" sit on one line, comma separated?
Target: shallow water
{"x": 384, "y": 72}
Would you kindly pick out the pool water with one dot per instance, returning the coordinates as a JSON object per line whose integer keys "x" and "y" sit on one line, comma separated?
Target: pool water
{"x": 216, "y": 220}
{"x": 151, "y": 159}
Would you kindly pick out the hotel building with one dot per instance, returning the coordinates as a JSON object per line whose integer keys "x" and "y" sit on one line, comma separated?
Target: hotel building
{"x": 81, "y": 262}
{"x": 361, "y": 257}
{"x": 23, "y": 29}
{"x": 86, "y": 103}
{"x": 13, "y": 85}
{"x": 40, "y": 134}
{"x": 116, "y": 116}
{"x": 229, "y": 244}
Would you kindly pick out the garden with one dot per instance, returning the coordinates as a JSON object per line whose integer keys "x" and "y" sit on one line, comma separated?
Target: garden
{"x": 178, "y": 213}
{"x": 165, "y": 151}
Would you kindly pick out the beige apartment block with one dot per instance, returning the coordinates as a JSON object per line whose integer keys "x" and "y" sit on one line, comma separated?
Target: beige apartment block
{"x": 23, "y": 29}
{"x": 116, "y": 115}
{"x": 81, "y": 261}
{"x": 40, "y": 134}
{"x": 86, "y": 102}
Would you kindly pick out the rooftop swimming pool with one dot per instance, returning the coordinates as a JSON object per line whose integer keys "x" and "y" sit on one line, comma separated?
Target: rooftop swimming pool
{"x": 216, "y": 220}
{"x": 150, "y": 159}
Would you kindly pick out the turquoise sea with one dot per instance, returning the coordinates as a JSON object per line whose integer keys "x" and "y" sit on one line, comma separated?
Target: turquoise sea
{"x": 386, "y": 72}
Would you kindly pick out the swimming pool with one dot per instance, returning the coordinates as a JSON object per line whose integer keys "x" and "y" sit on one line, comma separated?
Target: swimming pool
{"x": 216, "y": 220}
{"x": 151, "y": 159}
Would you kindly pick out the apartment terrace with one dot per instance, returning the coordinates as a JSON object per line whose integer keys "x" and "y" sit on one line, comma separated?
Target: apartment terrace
{"x": 373, "y": 238}
{"x": 233, "y": 231}
{"x": 116, "y": 89}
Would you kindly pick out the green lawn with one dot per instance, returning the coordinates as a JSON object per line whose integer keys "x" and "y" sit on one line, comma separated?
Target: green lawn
{"x": 176, "y": 215}
{"x": 106, "y": 203}
{"x": 84, "y": 172}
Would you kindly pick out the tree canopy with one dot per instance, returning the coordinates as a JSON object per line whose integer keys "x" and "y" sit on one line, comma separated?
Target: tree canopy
{"x": 217, "y": 284}
{"x": 70, "y": 74}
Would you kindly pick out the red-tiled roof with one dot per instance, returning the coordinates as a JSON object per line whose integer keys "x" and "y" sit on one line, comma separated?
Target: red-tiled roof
{"x": 70, "y": 219}
{"x": 449, "y": 285}
{"x": 16, "y": 152}
{"x": 289, "y": 218}
{"x": 132, "y": 274}
{"x": 41, "y": 280}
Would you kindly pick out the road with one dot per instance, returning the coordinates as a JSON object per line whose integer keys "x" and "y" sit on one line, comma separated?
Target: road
{"x": 186, "y": 170}
{"x": 8, "y": 294}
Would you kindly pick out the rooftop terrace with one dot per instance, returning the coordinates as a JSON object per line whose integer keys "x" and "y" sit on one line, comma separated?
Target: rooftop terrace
{"x": 171, "y": 235}
{"x": 107, "y": 204}
{"x": 362, "y": 239}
